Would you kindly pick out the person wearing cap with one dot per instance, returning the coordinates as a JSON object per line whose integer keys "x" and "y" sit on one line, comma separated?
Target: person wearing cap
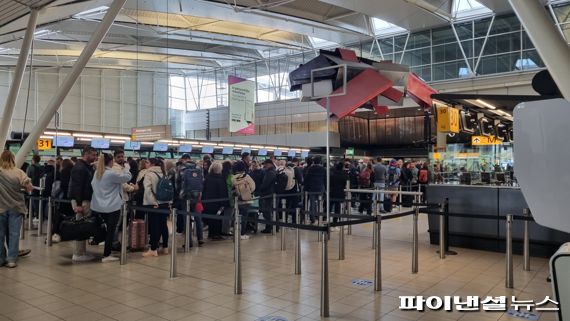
{"x": 267, "y": 189}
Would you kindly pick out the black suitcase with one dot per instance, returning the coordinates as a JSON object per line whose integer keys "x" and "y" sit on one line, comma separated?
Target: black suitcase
{"x": 388, "y": 204}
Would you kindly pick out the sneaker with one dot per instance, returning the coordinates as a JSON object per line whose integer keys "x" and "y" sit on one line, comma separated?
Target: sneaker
{"x": 24, "y": 252}
{"x": 200, "y": 242}
{"x": 11, "y": 265}
{"x": 150, "y": 253}
{"x": 82, "y": 258}
{"x": 35, "y": 222}
{"x": 244, "y": 237}
{"x": 163, "y": 250}
{"x": 109, "y": 258}
{"x": 55, "y": 238}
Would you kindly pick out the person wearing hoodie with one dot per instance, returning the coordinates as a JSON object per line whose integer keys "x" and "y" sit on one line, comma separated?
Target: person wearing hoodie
{"x": 339, "y": 177}
{"x": 156, "y": 221}
{"x": 315, "y": 181}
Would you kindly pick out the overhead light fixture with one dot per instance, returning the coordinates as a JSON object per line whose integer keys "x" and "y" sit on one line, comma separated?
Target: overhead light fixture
{"x": 84, "y": 139}
{"x": 209, "y": 144}
{"x": 57, "y": 133}
{"x": 118, "y": 137}
{"x": 226, "y": 145}
{"x": 46, "y": 137}
{"x": 242, "y": 146}
{"x": 117, "y": 141}
{"x": 87, "y": 135}
{"x": 88, "y": 12}
{"x": 486, "y": 104}
{"x": 147, "y": 143}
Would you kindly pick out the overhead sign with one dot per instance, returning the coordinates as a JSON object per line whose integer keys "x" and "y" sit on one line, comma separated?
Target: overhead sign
{"x": 151, "y": 133}
{"x": 242, "y": 105}
{"x": 350, "y": 151}
{"x": 44, "y": 144}
{"x": 447, "y": 119}
{"x": 485, "y": 140}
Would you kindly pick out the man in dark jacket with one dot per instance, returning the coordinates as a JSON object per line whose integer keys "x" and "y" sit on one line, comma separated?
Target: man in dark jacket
{"x": 315, "y": 182}
{"x": 339, "y": 177}
{"x": 267, "y": 189}
{"x": 80, "y": 192}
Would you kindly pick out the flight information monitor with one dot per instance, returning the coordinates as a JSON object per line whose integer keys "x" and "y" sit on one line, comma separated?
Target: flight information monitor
{"x": 100, "y": 143}
{"x": 160, "y": 147}
{"x": 277, "y": 152}
{"x": 130, "y": 145}
{"x": 291, "y": 153}
{"x": 262, "y": 152}
{"x": 207, "y": 149}
{"x": 228, "y": 151}
{"x": 63, "y": 141}
{"x": 185, "y": 149}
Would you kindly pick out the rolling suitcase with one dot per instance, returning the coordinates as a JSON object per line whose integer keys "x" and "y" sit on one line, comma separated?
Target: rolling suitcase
{"x": 388, "y": 203}
{"x": 137, "y": 237}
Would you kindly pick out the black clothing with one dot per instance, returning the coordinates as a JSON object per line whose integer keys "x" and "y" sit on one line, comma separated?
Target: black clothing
{"x": 298, "y": 176}
{"x": 315, "y": 179}
{"x": 257, "y": 176}
{"x": 65, "y": 177}
{"x": 338, "y": 183}
{"x": 80, "y": 184}
{"x": 49, "y": 173}
{"x": 215, "y": 187}
{"x": 268, "y": 184}
{"x": 111, "y": 220}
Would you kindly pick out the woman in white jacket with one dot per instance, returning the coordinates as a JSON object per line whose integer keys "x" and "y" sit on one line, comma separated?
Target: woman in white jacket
{"x": 156, "y": 221}
{"x": 106, "y": 200}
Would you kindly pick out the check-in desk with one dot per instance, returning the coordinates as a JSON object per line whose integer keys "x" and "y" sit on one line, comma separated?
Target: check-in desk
{"x": 490, "y": 202}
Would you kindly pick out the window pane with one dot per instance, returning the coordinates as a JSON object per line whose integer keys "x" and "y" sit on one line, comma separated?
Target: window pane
{"x": 503, "y": 43}
{"x": 386, "y": 45}
{"x": 481, "y": 27}
{"x": 563, "y": 13}
{"x": 505, "y": 24}
{"x": 464, "y": 30}
{"x": 419, "y": 40}
{"x": 400, "y": 42}
{"x": 498, "y": 63}
{"x": 443, "y": 35}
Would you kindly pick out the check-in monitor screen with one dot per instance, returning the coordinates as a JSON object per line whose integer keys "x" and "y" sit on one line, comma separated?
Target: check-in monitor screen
{"x": 185, "y": 149}
{"x": 207, "y": 149}
{"x": 160, "y": 147}
{"x": 304, "y": 155}
{"x": 262, "y": 152}
{"x": 291, "y": 153}
{"x": 228, "y": 150}
{"x": 246, "y": 150}
{"x": 130, "y": 145}
{"x": 278, "y": 152}
{"x": 100, "y": 143}
{"x": 63, "y": 141}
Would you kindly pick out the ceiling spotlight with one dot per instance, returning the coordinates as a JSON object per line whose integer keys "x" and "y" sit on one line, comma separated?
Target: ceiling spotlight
{"x": 486, "y": 104}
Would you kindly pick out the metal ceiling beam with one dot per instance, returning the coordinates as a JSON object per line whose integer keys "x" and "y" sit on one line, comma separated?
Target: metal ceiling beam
{"x": 18, "y": 76}
{"x": 69, "y": 81}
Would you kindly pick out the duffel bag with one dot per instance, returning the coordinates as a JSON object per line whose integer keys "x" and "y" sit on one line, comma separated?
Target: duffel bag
{"x": 80, "y": 229}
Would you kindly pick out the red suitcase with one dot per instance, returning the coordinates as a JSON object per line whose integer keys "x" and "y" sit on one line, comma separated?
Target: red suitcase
{"x": 137, "y": 237}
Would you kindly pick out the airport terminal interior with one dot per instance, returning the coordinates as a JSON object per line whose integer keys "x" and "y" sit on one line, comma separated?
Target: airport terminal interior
{"x": 281, "y": 160}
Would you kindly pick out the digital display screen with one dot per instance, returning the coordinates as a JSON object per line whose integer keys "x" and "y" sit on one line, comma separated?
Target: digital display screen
{"x": 100, "y": 143}
{"x": 277, "y": 152}
{"x": 130, "y": 145}
{"x": 185, "y": 149}
{"x": 228, "y": 150}
{"x": 160, "y": 147}
{"x": 262, "y": 152}
{"x": 291, "y": 153}
{"x": 246, "y": 150}
{"x": 304, "y": 154}
{"x": 63, "y": 141}
{"x": 207, "y": 149}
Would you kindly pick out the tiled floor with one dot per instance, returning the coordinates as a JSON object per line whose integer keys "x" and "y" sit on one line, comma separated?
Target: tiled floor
{"x": 47, "y": 286}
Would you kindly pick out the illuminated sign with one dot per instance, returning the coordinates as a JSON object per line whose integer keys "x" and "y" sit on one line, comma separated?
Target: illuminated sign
{"x": 43, "y": 144}
{"x": 485, "y": 140}
{"x": 151, "y": 133}
{"x": 447, "y": 120}
{"x": 100, "y": 143}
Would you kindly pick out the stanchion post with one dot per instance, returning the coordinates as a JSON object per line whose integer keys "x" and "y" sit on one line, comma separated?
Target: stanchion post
{"x": 378, "y": 255}
{"x": 41, "y": 207}
{"x": 509, "y": 252}
{"x": 188, "y": 228}
{"x": 324, "y": 277}
{"x": 30, "y": 211}
{"x": 274, "y": 214}
{"x": 319, "y": 211}
{"x": 341, "y": 234}
{"x": 306, "y": 208}
{"x": 124, "y": 216}
{"x": 284, "y": 220}
{"x": 237, "y": 250}
{"x": 446, "y": 231}
{"x": 298, "y": 243}
{"x": 374, "y": 231}
{"x": 441, "y": 234}
{"x": 349, "y": 197}
{"x": 415, "y": 240}
{"x": 400, "y": 197}
{"x": 49, "y": 227}
{"x": 146, "y": 240}
{"x": 526, "y": 241}
{"x": 173, "y": 271}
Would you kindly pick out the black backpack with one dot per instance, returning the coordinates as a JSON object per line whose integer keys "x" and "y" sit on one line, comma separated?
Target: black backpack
{"x": 281, "y": 181}
{"x": 139, "y": 195}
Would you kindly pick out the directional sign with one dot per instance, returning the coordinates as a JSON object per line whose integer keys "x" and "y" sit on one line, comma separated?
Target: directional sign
{"x": 350, "y": 151}
{"x": 485, "y": 140}
{"x": 44, "y": 144}
{"x": 447, "y": 119}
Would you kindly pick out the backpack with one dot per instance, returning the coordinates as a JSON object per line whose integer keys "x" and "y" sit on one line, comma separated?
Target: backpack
{"x": 392, "y": 176}
{"x": 364, "y": 178}
{"x": 423, "y": 176}
{"x": 244, "y": 188}
{"x": 164, "y": 189}
{"x": 281, "y": 181}
{"x": 192, "y": 181}
{"x": 139, "y": 195}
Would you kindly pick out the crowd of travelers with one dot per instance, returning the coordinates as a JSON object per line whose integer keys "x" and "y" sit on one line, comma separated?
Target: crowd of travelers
{"x": 98, "y": 184}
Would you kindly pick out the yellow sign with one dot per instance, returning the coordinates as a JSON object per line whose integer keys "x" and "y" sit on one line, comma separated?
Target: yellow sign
{"x": 447, "y": 119}
{"x": 485, "y": 140}
{"x": 43, "y": 144}
{"x": 436, "y": 155}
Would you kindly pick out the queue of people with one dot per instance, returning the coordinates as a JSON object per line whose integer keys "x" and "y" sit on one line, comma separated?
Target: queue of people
{"x": 99, "y": 184}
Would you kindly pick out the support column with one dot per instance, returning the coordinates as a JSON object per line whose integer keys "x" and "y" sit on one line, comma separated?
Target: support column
{"x": 70, "y": 79}
{"x": 552, "y": 48}
{"x": 18, "y": 76}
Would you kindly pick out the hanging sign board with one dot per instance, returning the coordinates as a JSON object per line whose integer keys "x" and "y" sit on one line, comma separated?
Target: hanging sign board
{"x": 151, "y": 133}
{"x": 447, "y": 119}
{"x": 44, "y": 144}
{"x": 485, "y": 140}
{"x": 241, "y": 105}
{"x": 350, "y": 151}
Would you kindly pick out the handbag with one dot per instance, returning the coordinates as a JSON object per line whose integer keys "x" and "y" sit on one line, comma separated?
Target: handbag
{"x": 80, "y": 229}
{"x": 199, "y": 207}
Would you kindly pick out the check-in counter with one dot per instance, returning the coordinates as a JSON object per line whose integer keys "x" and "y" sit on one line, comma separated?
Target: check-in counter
{"x": 488, "y": 233}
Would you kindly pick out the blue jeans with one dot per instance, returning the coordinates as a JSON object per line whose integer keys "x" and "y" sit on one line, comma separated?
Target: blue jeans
{"x": 379, "y": 196}
{"x": 10, "y": 225}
